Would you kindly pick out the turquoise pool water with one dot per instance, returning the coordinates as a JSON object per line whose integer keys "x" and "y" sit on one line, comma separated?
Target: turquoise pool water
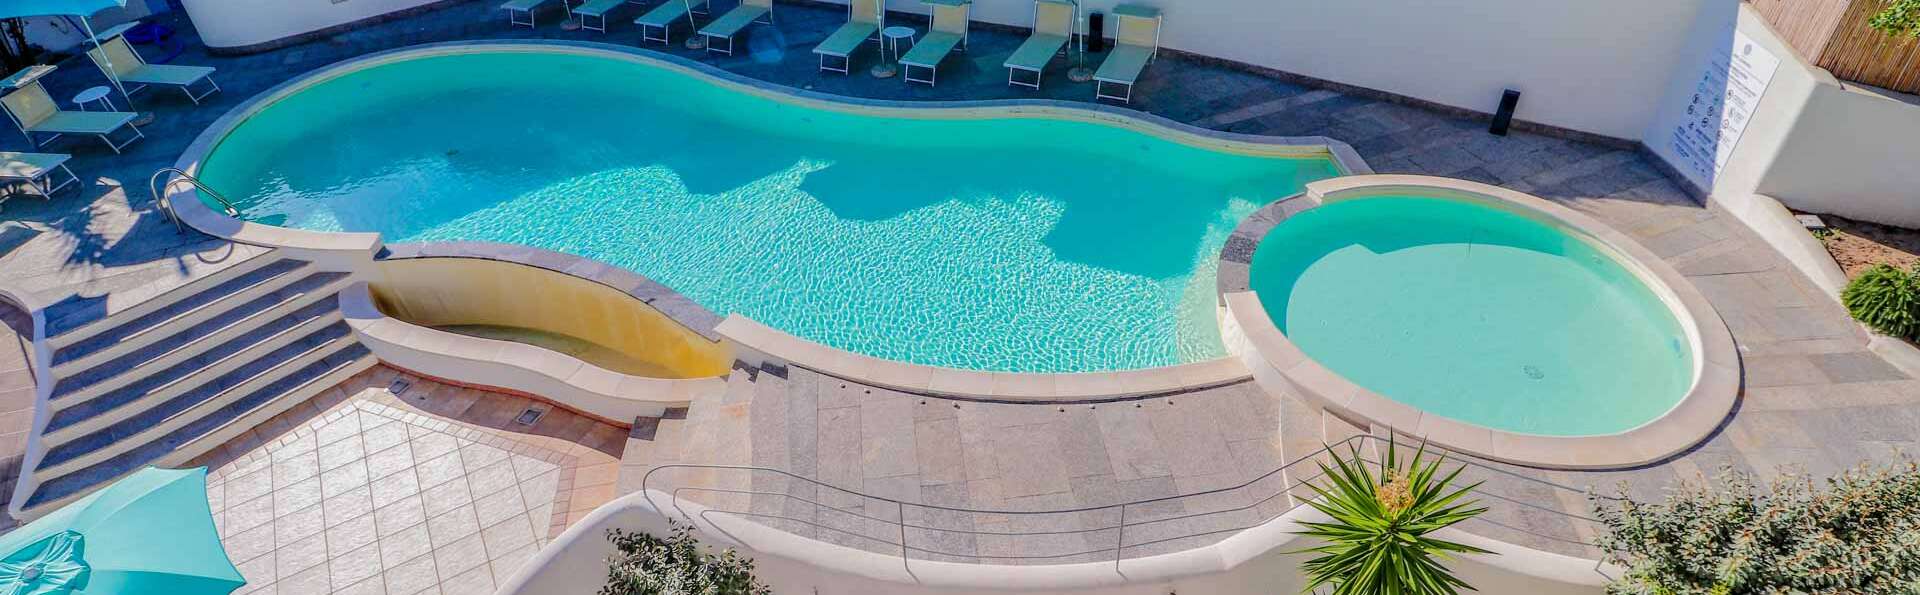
{"x": 1474, "y": 313}
{"x": 998, "y": 244}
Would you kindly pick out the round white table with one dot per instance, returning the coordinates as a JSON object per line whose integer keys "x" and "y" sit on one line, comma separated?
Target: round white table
{"x": 93, "y": 95}
{"x": 893, "y": 35}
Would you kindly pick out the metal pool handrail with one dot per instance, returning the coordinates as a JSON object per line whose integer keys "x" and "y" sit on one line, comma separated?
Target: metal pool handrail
{"x": 166, "y": 206}
{"x": 901, "y": 524}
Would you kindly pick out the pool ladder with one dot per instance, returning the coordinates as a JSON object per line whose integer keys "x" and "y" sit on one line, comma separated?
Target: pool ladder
{"x": 166, "y": 206}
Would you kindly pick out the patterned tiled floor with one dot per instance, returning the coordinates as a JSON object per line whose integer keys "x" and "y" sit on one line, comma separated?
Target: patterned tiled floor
{"x": 16, "y": 397}
{"x": 362, "y": 493}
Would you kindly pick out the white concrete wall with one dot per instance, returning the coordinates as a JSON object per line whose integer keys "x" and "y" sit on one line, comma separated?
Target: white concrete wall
{"x": 240, "y": 23}
{"x": 1813, "y": 143}
{"x": 1248, "y": 563}
{"x": 58, "y": 34}
{"x": 1588, "y": 66}
{"x": 1852, "y": 153}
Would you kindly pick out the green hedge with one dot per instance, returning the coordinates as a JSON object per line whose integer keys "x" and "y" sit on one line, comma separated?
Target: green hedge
{"x": 1886, "y": 299}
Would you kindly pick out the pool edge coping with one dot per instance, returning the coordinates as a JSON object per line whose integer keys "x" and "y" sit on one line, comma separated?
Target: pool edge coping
{"x": 745, "y": 333}
{"x": 194, "y": 213}
{"x": 1280, "y": 365}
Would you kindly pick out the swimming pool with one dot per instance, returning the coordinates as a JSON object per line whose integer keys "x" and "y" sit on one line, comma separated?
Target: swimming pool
{"x": 950, "y": 237}
{"x": 1474, "y": 312}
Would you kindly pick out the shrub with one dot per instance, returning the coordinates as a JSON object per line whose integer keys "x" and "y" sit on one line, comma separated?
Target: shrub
{"x": 675, "y": 565}
{"x": 1857, "y": 533}
{"x": 1377, "y": 539}
{"x": 1900, "y": 18}
{"x": 1887, "y": 299}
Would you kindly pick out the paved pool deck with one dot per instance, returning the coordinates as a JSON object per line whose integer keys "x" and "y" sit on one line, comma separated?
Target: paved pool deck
{"x": 432, "y": 489}
{"x": 1814, "y": 398}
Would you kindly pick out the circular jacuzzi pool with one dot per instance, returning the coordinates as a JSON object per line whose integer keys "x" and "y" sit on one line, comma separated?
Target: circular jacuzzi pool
{"x": 1014, "y": 238}
{"x": 1498, "y": 312}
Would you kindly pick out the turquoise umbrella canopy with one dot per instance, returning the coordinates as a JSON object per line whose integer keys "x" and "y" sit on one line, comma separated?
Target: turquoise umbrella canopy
{"x": 34, "y": 8}
{"x": 148, "y": 534}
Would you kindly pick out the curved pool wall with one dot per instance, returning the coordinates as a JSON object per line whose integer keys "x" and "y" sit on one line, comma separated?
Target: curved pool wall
{"x": 1278, "y": 363}
{"x": 356, "y": 251}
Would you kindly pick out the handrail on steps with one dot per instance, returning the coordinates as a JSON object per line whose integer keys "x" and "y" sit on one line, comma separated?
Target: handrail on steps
{"x": 166, "y": 206}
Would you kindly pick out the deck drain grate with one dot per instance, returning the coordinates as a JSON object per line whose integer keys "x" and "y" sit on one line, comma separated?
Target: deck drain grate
{"x": 399, "y": 386}
{"x": 526, "y": 418}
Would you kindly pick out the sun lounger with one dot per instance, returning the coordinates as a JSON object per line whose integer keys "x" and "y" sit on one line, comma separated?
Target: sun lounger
{"x": 950, "y": 20}
{"x": 663, "y": 17}
{"x": 36, "y": 170}
{"x": 1052, "y": 28}
{"x": 864, "y": 19}
{"x": 730, "y": 24}
{"x": 34, "y": 112}
{"x": 1137, "y": 42}
{"x": 516, "y": 8}
{"x": 118, "y": 60}
{"x": 596, "y": 10}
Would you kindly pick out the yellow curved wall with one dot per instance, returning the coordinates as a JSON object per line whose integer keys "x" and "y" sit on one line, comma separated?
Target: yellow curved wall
{"x": 440, "y": 292}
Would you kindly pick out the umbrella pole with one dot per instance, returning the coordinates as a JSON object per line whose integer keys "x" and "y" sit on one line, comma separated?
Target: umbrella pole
{"x": 140, "y": 118}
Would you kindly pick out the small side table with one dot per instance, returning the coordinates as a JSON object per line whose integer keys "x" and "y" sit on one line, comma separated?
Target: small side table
{"x": 893, "y": 35}
{"x": 94, "y": 95}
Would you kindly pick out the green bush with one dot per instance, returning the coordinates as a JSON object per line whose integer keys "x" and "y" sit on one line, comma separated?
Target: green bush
{"x": 1887, "y": 299}
{"x": 1900, "y": 18}
{"x": 1376, "y": 541}
{"x": 675, "y": 565}
{"x": 1858, "y": 533}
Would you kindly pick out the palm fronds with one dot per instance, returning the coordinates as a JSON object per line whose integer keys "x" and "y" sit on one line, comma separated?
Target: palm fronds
{"x": 1376, "y": 542}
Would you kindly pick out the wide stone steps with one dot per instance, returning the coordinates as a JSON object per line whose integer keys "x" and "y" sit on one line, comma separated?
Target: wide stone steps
{"x": 263, "y": 371}
{"x": 185, "y": 312}
{"x": 76, "y": 415}
{"x": 74, "y": 320}
{"x": 91, "y": 376}
{"x": 198, "y": 362}
{"x": 181, "y": 436}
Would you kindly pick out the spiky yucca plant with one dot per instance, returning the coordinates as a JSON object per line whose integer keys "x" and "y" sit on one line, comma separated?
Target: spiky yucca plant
{"x": 1887, "y": 299}
{"x": 1376, "y": 542}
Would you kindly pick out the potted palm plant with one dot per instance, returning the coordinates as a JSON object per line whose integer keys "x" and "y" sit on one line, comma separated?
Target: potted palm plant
{"x": 1376, "y": 539}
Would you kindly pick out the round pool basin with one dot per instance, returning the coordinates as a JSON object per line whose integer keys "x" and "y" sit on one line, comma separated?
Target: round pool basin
{"x": 1474, "y": 312}
{"x": 975, "y": 239}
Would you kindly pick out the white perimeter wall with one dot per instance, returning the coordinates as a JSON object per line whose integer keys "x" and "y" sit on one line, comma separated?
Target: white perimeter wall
{"x": 240, "y": 23}
{"x": 1814, "y": 144}
{"x": 1585, "y": 65}
{"x": 1253, "y": 562}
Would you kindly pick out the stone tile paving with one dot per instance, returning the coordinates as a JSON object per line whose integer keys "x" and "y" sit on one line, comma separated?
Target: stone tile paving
{"x": 16, "y": 398}
{"x": 1814, "y": 398}
{"x": 363, "y": 491}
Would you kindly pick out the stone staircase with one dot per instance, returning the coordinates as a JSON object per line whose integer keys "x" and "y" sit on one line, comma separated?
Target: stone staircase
{"x": 712, "y": 430}
{"x": 177, "y": 374}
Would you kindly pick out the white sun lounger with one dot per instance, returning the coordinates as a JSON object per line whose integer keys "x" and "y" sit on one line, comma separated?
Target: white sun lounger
{"x": 950, "y": 20}
{"x": 1052, "y": 28}
{"x": 1136, "y": 44}
{"x": 34, "y": 112}
{"x": 730, "y": 24}
{"x": 118, "y": 60}
{"x": 36, "y": 171}
{"x": 864, "y": 19}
